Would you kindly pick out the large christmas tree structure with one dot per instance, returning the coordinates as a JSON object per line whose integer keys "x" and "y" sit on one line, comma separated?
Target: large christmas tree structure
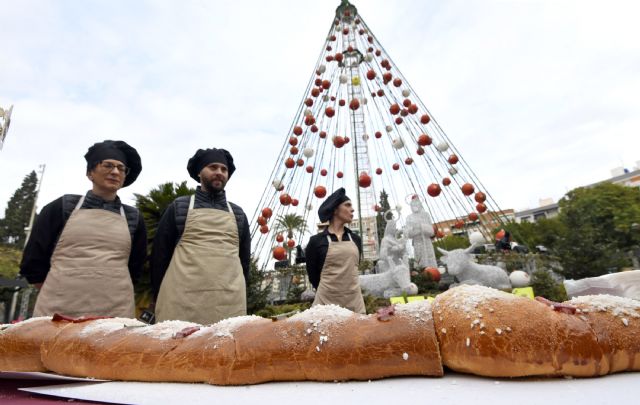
{"x": 362, "y": 127}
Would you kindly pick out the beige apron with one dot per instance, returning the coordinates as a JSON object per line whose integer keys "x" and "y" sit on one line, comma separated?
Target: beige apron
{"x": 89, "y": 272}
{"x": 339, "y": 278}
{"x": 204, "y": 282}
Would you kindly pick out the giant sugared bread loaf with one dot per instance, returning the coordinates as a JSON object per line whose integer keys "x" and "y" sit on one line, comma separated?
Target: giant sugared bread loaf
{"x": 470, "y": 329}
{"x": 325, "y": 343}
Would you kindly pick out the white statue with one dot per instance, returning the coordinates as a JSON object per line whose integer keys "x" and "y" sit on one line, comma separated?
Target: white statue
{"x": 393, "y": 277}
{"x": 419, "y": 229}
{"x": 461, "y": 265}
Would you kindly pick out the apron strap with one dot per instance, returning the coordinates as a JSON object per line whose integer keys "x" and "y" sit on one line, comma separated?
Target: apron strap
{"x": 191, "y": 200}
{"x": 230, "y": 209}
{"x": 79, "y": 204}
{"x": 348, "y": 234}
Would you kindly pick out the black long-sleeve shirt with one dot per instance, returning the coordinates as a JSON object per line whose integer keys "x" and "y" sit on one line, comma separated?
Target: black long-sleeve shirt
{"x": 172, "y": 224}
{"x": 36, "y": 259}
{"x": 317, "y": 248}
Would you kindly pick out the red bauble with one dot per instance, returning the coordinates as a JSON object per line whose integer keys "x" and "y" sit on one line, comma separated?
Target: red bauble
{"x": 264, "y": 229}
{"x": 338, "y": 141}
{"x": 399, "y": 120}
{"x": 434, "y": 189}
{"x": 320, "y": 191}
{"x": 459, "y": 224}
{"x": 480, "y": 197}
{"x": 420, "y": 151}
{"x": 397, "y": 82}
{"x": 291, "y": 243}
{"x": 322, "y": 134}
{"x": 293, "y": 141}
{"x": 446, "y": 181}
{"x": 433, "y": 273}
{"x": 285, "y": 199}
{"x": 339, "y": 57}
{"x": 294, "y": 202}
{"x": 394, "y": 109}
{"x": 339, "y": 175}
{"x": 262, "y": 221}
{"x": 467, "y": 189}
{"x": 378, "y": 171}
{"x": 378, "y": 134}
{"x": 371, "y": 74}
{"x": 480, "y": 207}
{"x": 293, "y": 150}
{"x": 297, "y": 130}
{"x": 439, "y": 234}
{"x": 314, "y": 128}
{"x": 425, "y": 119}
{"x": 300, "y": 162}
{"x": 315, "y": 92}
{"x": 395, "y": 166}
{"x": 473, "y": 217}
{"x": 279, "y": 253}
{"x": 326, "y": 84}
{"x": 309, "y": 169}
{"x": 380, "y": 93}
{"x": 412, "y": 109}
{"x": 406, "y": 102}
{"x": 308, "y": 102}
{"x": 279, "y": 238}
{"x": 453, "y": 159}
{"x": 342, "y": 103}
{"x": 386, "y": 77}
{"x": 330, "y": 112}
{"x": 309, "y": 120}
{"x": 267, "y": 212}
{"x": 289, "y": 163}
{"x": 354, "y": 104}
{"x": 408, "y": 161}
{"x": 346, "y": 140}
{"x": 424, "y": 140}
{"x": 323, "y": 172}
{"x": 364, "y": 180}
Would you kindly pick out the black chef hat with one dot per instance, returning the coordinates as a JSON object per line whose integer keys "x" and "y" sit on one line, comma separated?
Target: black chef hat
{"x": 117, "y": 150}
{"x": 204, "y": 157}
{"x": 325, "y": 212}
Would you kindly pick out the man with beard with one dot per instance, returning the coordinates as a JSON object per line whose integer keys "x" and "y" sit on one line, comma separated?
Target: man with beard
{"x": 202, "y": 248}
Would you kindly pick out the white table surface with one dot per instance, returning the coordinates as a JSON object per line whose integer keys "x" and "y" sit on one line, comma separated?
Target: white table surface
{"x": 451, "y": 389}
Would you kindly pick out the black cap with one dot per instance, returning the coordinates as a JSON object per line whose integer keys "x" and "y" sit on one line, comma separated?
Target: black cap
{"x": 204, "y": 157}
{"x": 325, "y": 212}
{"x": 117, "y": 150}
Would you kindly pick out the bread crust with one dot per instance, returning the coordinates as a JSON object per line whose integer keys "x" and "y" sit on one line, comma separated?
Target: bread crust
{"x": 491, "y": 333}
{"x": 20, "y": 343}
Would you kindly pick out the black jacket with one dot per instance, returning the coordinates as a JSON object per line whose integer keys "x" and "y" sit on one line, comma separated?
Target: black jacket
{"x": 317, "y": 248}
{"x": 172, "y": 225}
{"x": 36, "y": 259}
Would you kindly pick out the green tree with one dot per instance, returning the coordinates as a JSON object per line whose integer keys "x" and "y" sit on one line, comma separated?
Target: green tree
{"x": 18, "y": 212}
{"x": 545, "y": 231}
{"x": 601, "y": 225}
{"x": 152, "y": 206}
{"x": 381, "y": 223}
{"x": 258, "y": 289}
{"x": 451, "y": 242}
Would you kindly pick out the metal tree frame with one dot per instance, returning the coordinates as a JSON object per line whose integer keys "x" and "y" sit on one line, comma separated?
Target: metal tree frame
{"x": 358, "y": 99}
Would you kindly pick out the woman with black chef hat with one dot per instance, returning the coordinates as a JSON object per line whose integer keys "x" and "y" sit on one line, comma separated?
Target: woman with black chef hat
{"x": 85, "y": 252}
{"x": 333, "y": 256}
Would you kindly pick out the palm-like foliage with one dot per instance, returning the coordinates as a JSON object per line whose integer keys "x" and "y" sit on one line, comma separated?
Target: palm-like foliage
{"x": 291, "y": 223}
{"x": 153, "y": 205}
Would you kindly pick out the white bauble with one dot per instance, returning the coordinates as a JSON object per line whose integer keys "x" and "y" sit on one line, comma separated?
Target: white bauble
{"x": 365, "y": 137}
{"x": 307, "y": 152}
{"x": 476, "y": 238}
{"x": 325, "y": 98}
{"x": 322, "y": 68}
{"x": 368, "y": 57}
{"x": 343, "y": 79}
{"x": 442, "y": 146}
{"x": 389, "y": 128}
{"x": 406, "y": 93}
{"x": 397, "y": 143}
{"x": 453, "y": 170}
{"x": 277, "y": 184}
{"x": 307, "y": 112}
{"x": 519, "y": 279}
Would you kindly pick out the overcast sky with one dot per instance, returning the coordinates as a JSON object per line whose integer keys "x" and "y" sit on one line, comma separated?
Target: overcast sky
{"x": 538, "y": 96}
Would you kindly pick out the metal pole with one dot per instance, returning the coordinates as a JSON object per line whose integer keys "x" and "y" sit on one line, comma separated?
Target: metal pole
{"x": 35, "y": 203}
